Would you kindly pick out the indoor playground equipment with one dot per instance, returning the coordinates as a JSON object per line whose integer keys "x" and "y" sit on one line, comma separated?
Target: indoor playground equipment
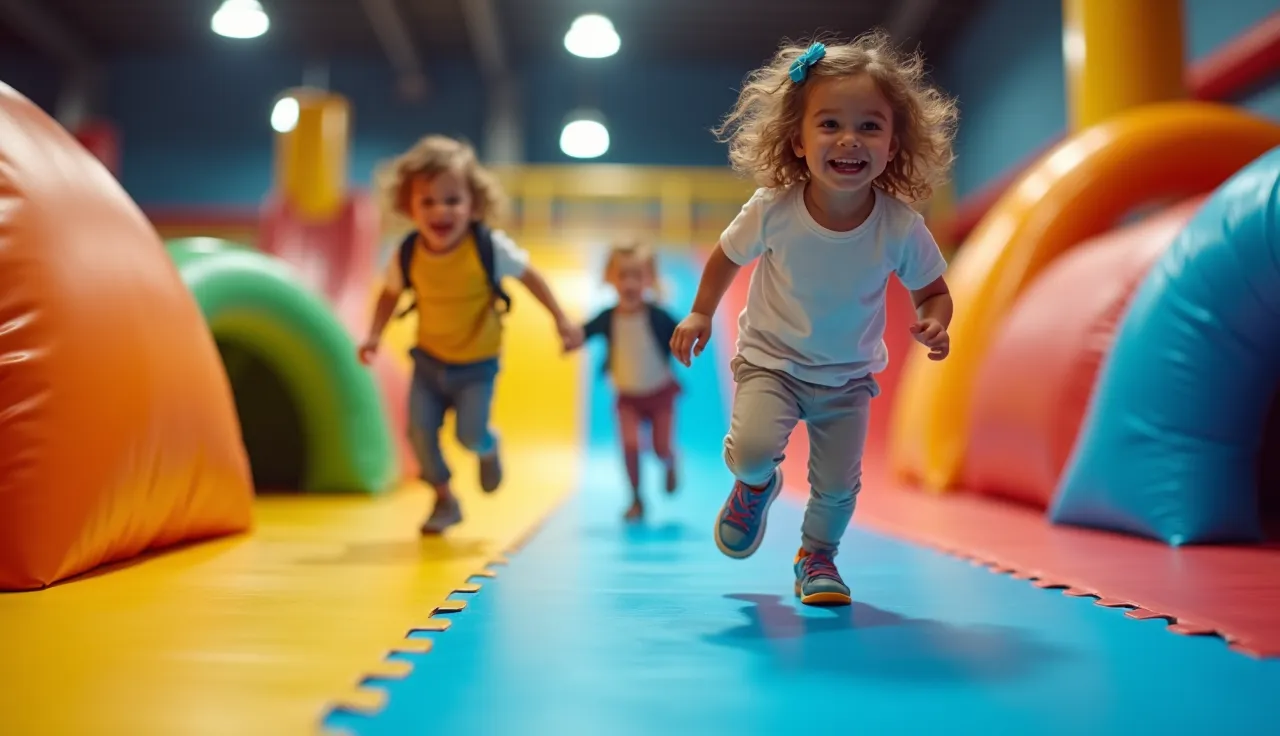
{"x": 1044, "y": 398}
{"x": 329, "y": 233}
{"x": 146, "y": 404}
{"x": 1171, "y": 446}
{"x": 119, "y": 432}
{"x": 310, "y": 414}
{"x": 286, "y": 316}
{"x": 1109, "y": 371}
{"x": 230, "y": 375}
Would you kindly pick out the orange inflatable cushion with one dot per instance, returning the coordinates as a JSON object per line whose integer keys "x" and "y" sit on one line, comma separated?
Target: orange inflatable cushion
{"x": 1034, "y": 385}
{"x": 118, "y": 431}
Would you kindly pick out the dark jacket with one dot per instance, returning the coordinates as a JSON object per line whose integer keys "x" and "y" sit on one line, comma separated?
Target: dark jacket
{"x": 660, "y": 321}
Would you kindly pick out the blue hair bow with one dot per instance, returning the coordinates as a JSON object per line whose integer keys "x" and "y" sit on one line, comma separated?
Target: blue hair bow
{"x": 811, "y": 56}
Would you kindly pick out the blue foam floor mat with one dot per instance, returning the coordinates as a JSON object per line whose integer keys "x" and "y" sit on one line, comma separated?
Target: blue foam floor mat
{"x": 600, "y": 626}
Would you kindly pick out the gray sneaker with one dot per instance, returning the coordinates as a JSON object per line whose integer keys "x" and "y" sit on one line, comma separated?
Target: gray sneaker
{"x": 446, "y": 513}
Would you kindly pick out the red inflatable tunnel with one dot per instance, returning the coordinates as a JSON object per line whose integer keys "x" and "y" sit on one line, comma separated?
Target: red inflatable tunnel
{"x": 1034, "y": 386}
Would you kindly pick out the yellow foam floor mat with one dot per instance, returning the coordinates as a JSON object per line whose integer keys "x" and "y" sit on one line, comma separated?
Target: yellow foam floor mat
{"x": 262, "y": 633}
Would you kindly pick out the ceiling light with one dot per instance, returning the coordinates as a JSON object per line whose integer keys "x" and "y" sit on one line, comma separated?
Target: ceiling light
{"x": 284, "y": 116}
{"x": 592, "y": 36}
{"x": 585, "y": 136}
{"x": 240, "y": 19}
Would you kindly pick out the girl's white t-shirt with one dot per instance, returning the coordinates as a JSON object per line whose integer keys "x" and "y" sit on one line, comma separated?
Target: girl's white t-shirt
{"x": 816, "y": 302}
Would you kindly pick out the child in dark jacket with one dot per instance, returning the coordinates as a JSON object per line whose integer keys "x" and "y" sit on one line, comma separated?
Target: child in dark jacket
{"x": 638, "y": 333}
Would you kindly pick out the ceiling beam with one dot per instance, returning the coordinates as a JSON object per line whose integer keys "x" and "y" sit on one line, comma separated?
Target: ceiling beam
{"x": 34, "y": 23}
{"x": 486, "y": 38}
{"x": 392, "y": 32}
{"x": 908, "y": 19}
{"x": 83, "y": 82}
{"x": 504, "y": 129}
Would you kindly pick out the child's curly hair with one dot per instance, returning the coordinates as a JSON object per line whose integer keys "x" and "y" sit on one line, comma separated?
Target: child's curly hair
{"x": 767, "y": 116}
{"x": 433, "y": 155}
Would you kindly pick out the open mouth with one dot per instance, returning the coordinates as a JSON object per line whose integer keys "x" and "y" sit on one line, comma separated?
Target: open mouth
{"x": 847, "y": 165}
{"x": 442, "y": 230}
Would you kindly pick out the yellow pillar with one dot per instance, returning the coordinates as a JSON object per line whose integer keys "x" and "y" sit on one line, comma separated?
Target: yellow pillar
{"x": 1120, "y": 54}
{"x": 311, "y": 159}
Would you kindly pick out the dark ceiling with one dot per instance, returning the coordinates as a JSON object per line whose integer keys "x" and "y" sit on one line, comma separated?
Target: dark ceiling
{"x": 738, "y": 30}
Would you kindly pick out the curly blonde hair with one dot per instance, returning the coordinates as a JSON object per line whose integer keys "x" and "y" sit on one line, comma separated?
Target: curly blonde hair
{"x": 766, "y": 119}
{"x": 434, "y": 155}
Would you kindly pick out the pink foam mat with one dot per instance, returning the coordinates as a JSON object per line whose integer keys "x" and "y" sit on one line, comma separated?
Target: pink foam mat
{"x": 1232, "y": 592}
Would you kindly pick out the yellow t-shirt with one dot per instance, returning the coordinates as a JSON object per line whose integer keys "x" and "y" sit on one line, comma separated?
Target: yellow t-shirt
{"x": 457, "y": 319}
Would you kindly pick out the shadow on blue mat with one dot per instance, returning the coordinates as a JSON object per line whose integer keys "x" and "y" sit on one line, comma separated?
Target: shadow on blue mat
{"x": 865, "y": 641}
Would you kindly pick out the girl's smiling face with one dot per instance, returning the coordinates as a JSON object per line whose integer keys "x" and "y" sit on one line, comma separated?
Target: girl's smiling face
{"x": 441, "y": 207}
{"x": 846, "y": 135}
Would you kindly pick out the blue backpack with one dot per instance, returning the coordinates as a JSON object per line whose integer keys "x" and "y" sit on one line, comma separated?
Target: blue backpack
{"x": 483, "y": 238}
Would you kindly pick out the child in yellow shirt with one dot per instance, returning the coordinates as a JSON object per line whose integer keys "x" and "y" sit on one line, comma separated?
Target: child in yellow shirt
{"x": 454, "y": 263}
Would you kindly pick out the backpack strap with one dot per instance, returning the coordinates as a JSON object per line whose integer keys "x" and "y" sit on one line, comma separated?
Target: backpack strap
{"x": 405, "y": 256}
{"x": 484, "y": 244}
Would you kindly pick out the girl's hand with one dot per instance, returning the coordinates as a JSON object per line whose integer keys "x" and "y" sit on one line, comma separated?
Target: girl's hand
{"x": 367, "y": 350}
{"x": 571, "y": 337}
{"x": 930, "y": 333}
{"x": 691, "y": 334}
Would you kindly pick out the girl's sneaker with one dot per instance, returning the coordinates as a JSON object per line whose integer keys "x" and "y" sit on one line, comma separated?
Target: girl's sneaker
{"x": 818, "y": 582}
{"x": 741, "y": 524}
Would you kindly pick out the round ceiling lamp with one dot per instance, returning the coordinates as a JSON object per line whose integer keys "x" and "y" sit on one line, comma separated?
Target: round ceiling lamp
{"x": 592, "y": 36}
{"x": 240, "y": 19}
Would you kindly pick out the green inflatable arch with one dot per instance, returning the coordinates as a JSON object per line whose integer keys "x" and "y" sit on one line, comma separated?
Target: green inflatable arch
{"x": 311, "y": 415}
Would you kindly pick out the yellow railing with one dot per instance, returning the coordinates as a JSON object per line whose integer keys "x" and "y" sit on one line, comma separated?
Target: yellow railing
{"x": 586, "y": 203}
{"x": 668, "y": 204}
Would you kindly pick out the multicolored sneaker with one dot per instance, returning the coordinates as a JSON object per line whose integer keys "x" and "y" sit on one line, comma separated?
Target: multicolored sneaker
{"x": 818, "y": 582}
{"x": 744, "y": 516}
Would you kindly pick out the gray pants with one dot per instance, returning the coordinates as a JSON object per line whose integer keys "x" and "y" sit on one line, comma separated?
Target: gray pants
{"x": 766, "y": 408}
{"x": 438, "y": 387}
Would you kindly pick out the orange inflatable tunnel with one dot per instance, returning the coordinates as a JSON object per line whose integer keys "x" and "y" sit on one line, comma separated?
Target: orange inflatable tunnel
{"x": 118, "y": 431}
{"x": 1034, "y": 385}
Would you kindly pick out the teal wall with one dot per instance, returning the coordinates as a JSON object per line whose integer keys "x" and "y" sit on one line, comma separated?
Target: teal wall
{"x": 1007, "y": 71}
{"x": 195, "y": 130}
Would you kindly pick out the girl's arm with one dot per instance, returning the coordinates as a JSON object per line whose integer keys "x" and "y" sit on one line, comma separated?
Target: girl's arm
{"x": 694, "y": 331}
{"x": 933, "y": 312}
{"x": 716, "y": 278}
{"x": 933, "y": 302}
